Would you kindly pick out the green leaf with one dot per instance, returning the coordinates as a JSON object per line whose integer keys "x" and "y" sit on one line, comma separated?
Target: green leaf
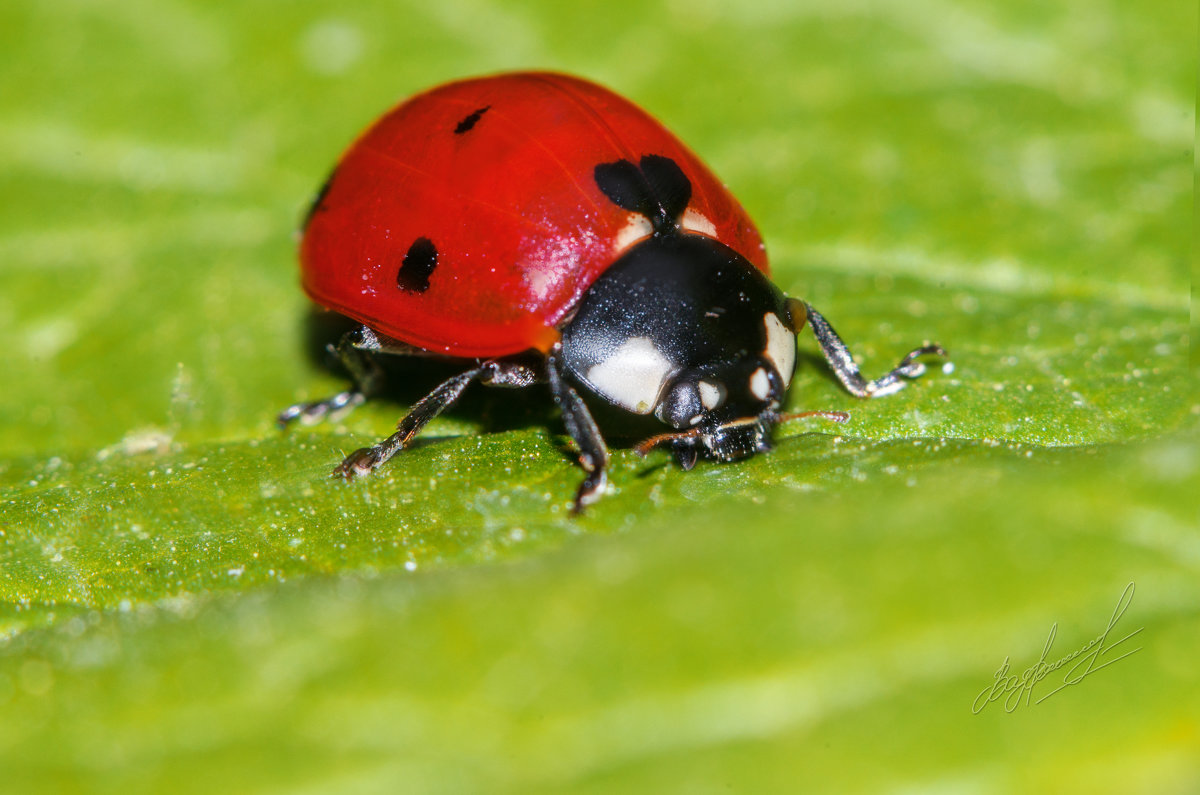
{"x": 189, "y": 603}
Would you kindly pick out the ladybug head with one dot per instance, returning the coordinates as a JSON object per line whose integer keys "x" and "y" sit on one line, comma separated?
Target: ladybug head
{"x": 684, "y": 328}
{"x": 725, "y": 409}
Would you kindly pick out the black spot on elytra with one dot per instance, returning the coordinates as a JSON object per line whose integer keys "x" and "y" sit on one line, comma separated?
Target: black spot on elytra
{"x": 418, "y": 266}
{"x": 469, "y": 121}
{"x": 625, "y": 186}
{"x": 657, "y": 188}
{"x": 318, "y": 200}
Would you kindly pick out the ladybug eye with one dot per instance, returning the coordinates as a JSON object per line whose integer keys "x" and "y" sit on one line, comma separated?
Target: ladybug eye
{"x": 682, "y": 406}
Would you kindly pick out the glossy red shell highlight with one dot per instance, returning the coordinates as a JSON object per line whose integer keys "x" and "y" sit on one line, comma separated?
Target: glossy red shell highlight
{"x": 511, "y": 204}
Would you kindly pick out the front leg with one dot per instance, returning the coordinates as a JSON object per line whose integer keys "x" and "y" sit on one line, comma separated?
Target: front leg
{"x": 842, "y": 362}
{"x": 593, "y": 452}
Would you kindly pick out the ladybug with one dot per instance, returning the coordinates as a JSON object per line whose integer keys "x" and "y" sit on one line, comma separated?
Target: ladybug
{"x": 542, "y": 229}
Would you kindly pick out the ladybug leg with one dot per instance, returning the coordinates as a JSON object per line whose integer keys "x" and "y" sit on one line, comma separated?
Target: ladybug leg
{"x": 840, "y": 359}
{"x": 354, "y": 351}
{"x": 511, "y": 374}
{"x": 593, "y": 452}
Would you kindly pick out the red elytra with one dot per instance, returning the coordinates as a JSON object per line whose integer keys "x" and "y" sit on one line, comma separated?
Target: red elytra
{"x": 499, "y": 172}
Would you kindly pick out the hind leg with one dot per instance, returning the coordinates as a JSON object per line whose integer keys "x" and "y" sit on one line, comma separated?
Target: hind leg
{"x": 356, "y": 351}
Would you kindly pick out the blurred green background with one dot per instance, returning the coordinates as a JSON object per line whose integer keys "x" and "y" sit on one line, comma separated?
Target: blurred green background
{"x": 187, "y": 603}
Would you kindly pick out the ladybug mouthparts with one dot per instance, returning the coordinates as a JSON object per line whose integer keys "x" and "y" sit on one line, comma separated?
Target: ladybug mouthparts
{"x": 729, "y": 441}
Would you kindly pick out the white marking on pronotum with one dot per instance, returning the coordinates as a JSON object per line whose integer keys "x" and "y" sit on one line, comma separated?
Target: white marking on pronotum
{"x": 695, "y": 221}
{"x": 711, "y": 395}
{"x": 637, "y": 226}
{"x": 760, "y": 385}
{"x": 781, "y": 347}
{"x": 633, "y": 376}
